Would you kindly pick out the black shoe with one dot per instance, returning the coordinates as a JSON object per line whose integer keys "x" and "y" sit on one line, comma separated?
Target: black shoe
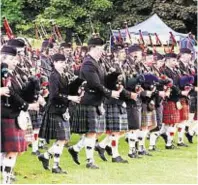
{"x": 165, "y": 137}
{"x": 189, "y": 137}
{"x": 45, "y": 162}
{"x": 74, "y": 155}
{"x": 119, "y": 160}
{"x": 134, "y": 155}
{"x": 37, "y": 153}
{"x": 58, "y": 170}
{"x": 172, "y": 147}
{"x": 101, "y": 152}
{"x": 144, "y": 152}
{"x": 91, "y": 166}
{"x": 108, "y": 150}
{"x": 182, "y": 144}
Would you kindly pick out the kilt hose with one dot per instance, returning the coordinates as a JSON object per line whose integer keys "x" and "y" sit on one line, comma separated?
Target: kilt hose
{"x": 87, "y": 119}
{"x": 54, "y": 127}
{"x": 134, "y": 116}
{"x": 12, "y": 137}
{"x": 171, "y": 114}
{"x": 36, "y": 118}
{"x": 116, "y": 118}
{"x": 149, "y": 118}
{"x": 184, "y": 112}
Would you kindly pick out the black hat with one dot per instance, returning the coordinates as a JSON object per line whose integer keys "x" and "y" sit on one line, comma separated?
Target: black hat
{"x": 9, "y": 50}
{"x": 96, "y": 41}
{"x": 58, "y": 57}
{"x": 185, "y": 50}
{"x": 171, "y": 55}
{"x": 46, "y": 44}
{"x": 18, "y": 43}
{"x": 65, "y": 45}
{"x": 134, "y": 48}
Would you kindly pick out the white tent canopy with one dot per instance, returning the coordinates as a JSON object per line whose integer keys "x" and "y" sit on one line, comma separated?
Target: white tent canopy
{"x": 152, "y": 25}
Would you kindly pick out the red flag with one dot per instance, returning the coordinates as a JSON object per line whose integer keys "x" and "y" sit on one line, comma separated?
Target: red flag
{"x": 8, "y": 29}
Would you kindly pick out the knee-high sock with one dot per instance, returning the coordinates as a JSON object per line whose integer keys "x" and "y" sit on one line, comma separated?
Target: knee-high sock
{"x": 80, "y": 145}
{"x": 170, "y": 134}
{"x": 141, "y": 138}
{"x": 181, "y": 130}
{"x": 2, "y": 157}
{"x": 89, "y": 149}
{"x": 58, "y": 149}
{"x": 105, "y": 142}
{"x": 193, "y": 128}
{"x": 50, "y": 152}
{"x": 132, "y": 139}
{"x": 153, "y": 138}
{"x": 114, "y": 145}
{"x": 42, "y": 142}
{"x": 35, "y": 141}
{"x": 8, "y": 166}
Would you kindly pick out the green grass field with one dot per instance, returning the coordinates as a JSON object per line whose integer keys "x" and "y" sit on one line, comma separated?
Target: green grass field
{"x": 164, "y": 167}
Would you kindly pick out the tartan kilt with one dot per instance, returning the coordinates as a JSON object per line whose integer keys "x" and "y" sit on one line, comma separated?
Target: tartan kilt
{"x": 159, "y": 113}
{"x": 54, "y": 127}
{"x": 184, "y": 112}
{"x": 12, "y": 137}
{"x": 193, "y": 104}
{"x": 195, "y": 116}
{"x": 116, "y": 118}
{"x": 149, "y": 118}
{"x": 29, "y": 135}
{"x": 134, "y": 115}
{"x": 170, "y": 113}
{"x": 36, "y": 118}
{"x": 86, "y": 119}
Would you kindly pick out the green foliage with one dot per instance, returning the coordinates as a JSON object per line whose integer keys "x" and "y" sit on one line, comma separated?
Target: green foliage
{"x": 181, "y": 15}
{"x": 12, "y": 10}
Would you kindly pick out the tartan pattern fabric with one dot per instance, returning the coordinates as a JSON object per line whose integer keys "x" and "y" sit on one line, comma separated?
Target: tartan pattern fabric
{"x": 87, "y": 118}
{"x": 195, "y": 116}
{"x": 184, "y": 112}
{"x": 36, "y": 118}
{"x": 12, "y": 138}
{"x": 116, "y": 118}
{"x": 149, "y": 118}
{"x": 54, "y": 127}
{"x": 159, "y": 114}
{"x": 29, "y": 135}
{"x": 170, "y": 113}
{"x": 193, "y": 104}
{"x": 134, "y": 115}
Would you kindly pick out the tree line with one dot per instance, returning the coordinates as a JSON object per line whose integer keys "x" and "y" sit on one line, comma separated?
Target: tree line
{"x": 77, "y": 16}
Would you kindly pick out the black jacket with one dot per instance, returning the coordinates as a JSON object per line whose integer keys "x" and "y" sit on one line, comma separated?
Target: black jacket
{"x": 11, "y": 106}
{"x": 58, "y": 93}
{"x": 95, "y": 90}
